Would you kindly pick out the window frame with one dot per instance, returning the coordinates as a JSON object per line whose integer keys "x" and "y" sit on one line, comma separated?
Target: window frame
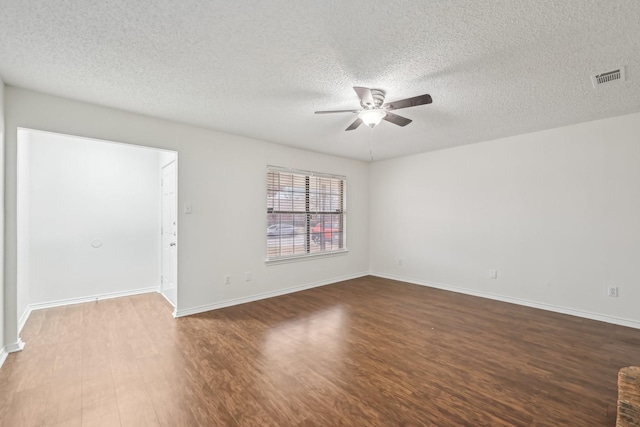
{"x": 341, "y": 212}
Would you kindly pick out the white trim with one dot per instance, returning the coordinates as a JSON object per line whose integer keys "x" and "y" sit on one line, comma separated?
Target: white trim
{"x": 165, "y": 297}
{"x": 86, "y": 138}
{"x": 305, "y": 257}
{"x": 3, "y": 356}
{"x": 265, "y": 295}
{"x": 542, "y": 306}
{"x": 304, "y": 172}
{"x": 23, "y": 319}
{"x": 80, "y": 300}
{"x": 12, "y": 348}
{"x": 176, "y": 214}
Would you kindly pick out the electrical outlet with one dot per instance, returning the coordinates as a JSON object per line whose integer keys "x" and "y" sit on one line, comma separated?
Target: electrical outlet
{"x": 227, "y": 279}
{"x": 400, "y": 261}
{"x": 493, "y": 273}
{"x": 612, "y": 291}
{"x": 247, "y": 276}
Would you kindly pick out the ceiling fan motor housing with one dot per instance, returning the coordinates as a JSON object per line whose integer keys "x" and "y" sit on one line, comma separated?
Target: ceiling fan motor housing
{"x": 378, "y": 99}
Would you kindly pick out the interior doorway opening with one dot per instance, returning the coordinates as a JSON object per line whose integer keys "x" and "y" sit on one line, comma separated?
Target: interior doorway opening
{"x": 90, "y": 220}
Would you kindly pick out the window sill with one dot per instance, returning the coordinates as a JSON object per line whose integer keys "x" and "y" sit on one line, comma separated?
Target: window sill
{"x": 305, "y": 257}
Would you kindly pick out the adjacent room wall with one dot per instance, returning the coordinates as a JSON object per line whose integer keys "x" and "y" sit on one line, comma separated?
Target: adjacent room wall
{"x": 224, "y": 178}
{"x": 557, "y": 213}
{"x": 84, "y": 193}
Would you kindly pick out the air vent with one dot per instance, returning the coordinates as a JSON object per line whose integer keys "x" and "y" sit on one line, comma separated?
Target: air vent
{"x": 608, "y": 77}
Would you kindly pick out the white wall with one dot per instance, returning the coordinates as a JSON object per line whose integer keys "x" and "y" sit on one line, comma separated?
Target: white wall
{"x": 81, "y": 190}
{"x": 557, "y": 213}
{"x": 3, "y": 342}
{"x": 23, "y": 218}
{"x": 223, "y": 177}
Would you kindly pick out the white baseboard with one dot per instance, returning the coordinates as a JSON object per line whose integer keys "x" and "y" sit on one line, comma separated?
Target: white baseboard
{"x": 23, "y": 319}
{"x": 59, "y": 303}
{"x": 264, "y": 295}
{"x": 543, "y": 306}
{"x": 3, "y": 356}
{"x": 12, "y": 348}
{"x": 92, "y": 298}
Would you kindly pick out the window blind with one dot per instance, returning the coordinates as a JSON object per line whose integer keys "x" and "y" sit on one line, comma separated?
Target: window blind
{"x": 306, "y": 213}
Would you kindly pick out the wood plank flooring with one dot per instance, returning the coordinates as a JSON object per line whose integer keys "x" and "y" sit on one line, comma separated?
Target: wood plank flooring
{"x": 365, "y": 352}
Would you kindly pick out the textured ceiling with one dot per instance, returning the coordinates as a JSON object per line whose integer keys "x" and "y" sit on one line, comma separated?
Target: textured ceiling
{"x": 261, "y": 68}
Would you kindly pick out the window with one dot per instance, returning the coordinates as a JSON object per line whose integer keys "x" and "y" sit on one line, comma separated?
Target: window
{"x": 305, "y": 213}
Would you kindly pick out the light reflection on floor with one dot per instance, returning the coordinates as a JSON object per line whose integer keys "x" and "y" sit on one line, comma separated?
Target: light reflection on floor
{"x": 305, "y": 347}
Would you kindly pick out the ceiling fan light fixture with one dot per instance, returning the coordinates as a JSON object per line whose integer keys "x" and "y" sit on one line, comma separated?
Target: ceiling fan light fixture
{"x": 372, "y": 117}
{"x": 374, "y": 109}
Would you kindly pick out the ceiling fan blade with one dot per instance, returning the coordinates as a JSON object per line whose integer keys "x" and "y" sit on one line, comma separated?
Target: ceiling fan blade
{"x": 409, "y": 102}
{"x": 396, "y": 119}
{"x": 355, "y": 124}
{"x": 337, "y": 111}
{"x": 364, "y": 93}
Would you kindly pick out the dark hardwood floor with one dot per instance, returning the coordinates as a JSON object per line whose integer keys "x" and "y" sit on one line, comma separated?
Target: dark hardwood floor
{"x": 366, "y": 352}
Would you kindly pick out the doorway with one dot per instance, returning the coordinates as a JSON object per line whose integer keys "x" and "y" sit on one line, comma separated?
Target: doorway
{"x": 89, "y": 220}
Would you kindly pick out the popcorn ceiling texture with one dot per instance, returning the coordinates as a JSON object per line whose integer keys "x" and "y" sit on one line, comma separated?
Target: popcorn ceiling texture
{"x": 261, "y": 68}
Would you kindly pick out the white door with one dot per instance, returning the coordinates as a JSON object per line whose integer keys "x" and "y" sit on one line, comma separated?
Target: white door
{"x": 169, "y": 234}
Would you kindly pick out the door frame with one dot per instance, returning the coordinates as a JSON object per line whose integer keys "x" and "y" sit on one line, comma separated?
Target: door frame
{"x": 176, "y": 210}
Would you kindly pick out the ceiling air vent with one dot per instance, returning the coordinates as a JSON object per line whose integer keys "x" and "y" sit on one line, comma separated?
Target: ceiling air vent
{"x": 608, "y": 77}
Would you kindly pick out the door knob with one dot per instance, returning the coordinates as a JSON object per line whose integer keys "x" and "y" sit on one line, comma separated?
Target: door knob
{"x": 172, "y": 244}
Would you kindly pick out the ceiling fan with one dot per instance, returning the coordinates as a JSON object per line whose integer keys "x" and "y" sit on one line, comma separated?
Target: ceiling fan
{"x": 374, "y": 110}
